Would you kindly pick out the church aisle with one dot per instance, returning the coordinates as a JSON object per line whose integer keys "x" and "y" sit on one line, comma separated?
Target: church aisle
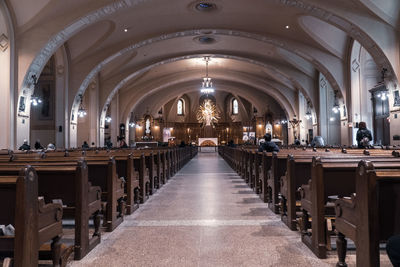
{"x": 205, "y": 216}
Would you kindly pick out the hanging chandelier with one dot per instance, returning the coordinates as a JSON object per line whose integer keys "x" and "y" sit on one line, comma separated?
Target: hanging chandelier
{"x": 81, "y": 111}
{"x": 206, "y": 87}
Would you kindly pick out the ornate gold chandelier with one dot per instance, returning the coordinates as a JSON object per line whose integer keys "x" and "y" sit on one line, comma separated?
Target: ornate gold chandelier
{"x": 208, "y": 113}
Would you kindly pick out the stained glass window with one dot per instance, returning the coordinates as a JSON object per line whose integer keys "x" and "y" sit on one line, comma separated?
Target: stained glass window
{"x": 179, "y": 107}
{"x": 235, "y": 107}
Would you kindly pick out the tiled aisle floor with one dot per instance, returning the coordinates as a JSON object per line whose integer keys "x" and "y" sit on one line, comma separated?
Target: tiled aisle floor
{"x": 205, "y": 216}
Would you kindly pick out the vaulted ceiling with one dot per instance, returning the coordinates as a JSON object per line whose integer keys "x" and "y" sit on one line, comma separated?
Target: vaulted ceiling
{"x": 150, "y": 51}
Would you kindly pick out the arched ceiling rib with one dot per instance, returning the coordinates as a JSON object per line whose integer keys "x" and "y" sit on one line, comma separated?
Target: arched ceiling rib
{"x": 295, "y": 81}
{"x": 153, "y": 103}
{"x": 285, "y": 99}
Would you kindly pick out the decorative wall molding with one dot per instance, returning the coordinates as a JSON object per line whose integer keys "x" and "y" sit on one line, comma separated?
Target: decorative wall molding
{"x": 4, "y": 42}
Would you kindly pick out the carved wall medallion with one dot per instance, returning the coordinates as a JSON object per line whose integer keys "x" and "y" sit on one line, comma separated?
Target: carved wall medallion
{"x": 3, "y": 42}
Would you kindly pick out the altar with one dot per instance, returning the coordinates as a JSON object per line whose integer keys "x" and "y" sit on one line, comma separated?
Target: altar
{"x": 208, "y": 144}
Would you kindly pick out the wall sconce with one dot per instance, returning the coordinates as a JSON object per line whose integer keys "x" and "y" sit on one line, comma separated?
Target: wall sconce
{"x": 382, "y": 95}
{"x": 336, "y": 107}
{"x": 108, "y": 119}
{"x": 308, "y": 115}
{"x": 81, "y": 111}
{"x": 35, "y": 99}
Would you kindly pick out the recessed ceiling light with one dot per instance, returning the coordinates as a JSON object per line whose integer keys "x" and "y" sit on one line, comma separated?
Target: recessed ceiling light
{"x": 287, "y": 26}
{"x": 205, "y": 6}
{"x": 126, "y": 30}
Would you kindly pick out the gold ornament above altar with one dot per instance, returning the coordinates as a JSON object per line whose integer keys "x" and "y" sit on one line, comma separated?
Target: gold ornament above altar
{"x": 208, "y": 113}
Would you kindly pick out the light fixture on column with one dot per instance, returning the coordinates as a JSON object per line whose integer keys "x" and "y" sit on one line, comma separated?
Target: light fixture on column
{"x": 35, "y": 99}
{"x": 207, "y": 87}
{"x": 81, "y": 111}
{"x": 380, "y": 90}
{"x": 308, "y": 115}
{"x": 108, "y": 119}
{"x": 336, "y": 107}
{"x": 131, "y": 121}
{"x": 382, "y": 95}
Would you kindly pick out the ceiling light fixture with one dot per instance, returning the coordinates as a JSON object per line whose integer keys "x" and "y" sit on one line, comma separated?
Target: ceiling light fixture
{"x": 126, "y": 30}
{"x": 287, "y": 26}
{"x": 207, "y": 86}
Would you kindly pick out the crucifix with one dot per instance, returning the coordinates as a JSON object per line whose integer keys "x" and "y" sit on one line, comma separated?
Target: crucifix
{"x": 295, "y": 123}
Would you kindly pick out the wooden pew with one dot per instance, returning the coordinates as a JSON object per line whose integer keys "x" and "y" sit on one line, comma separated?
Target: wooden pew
{"x": 298, "y": 172}
{"x": 126, "y": 169}
{"x": 265, "y": 194}
{"x": 333, "y": 176}
{"x": 35, "y": 222}
{"x": 101, "y": 172}
{"x": 140, "y": 167}
{"x": 372, "y": 215}
{"x": 70, "y": 184}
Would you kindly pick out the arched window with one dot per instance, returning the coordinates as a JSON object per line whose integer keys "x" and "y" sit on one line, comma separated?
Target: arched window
{"x": 180, "y": 107}
{"x": 235, "y": 107}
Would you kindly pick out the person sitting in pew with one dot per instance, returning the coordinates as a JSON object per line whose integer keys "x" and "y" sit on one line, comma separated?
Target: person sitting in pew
{"x": 393, "y": 250}
{"x": 363, "y": 135}
{"x": 25, "y": 146}
{"x": 122, "y": 143}
{"x": 38, "y": 145}
{"x": 85, "y": 145}
{"x": 268, "y": 146}
{"x": 51, "y": 147}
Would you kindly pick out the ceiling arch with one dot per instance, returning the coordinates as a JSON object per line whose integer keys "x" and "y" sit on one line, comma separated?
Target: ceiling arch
{"x": 182, "y": 86}
{"x": 273, "y": 72}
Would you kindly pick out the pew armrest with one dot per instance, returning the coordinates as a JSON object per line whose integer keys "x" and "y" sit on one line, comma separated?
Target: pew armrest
{"x": 346, "y": 217}
{"x": 94, "y": 199}
{"x": 49, "y": 220}
{"x": 305, "y": 196}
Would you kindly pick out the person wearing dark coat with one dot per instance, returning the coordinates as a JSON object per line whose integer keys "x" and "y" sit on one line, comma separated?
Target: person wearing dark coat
{"x": 182, "y": 144}
{"x": 231, "y": 143}
{"x": 109, "y": 144}
{"x": 122, "y": 144}
{"x": 25, "y": 146}
{"x": 393, "y": 250}
{"x": 268, "y": 146}
{"x": 85, "y": 145}
{"x": 363, "y": 135}
{"x": 38, "y": 145}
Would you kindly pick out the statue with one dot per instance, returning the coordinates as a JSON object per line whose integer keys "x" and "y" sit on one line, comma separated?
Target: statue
{"x": 207, "y": 113}
{"x": 148, "y": 131}
{"x": 268, "y": 128}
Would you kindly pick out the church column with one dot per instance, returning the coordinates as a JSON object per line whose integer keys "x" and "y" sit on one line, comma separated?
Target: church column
{"x": 115, "y": 119}
{"x": 93, "y": 111}
{"x": 61, "y": 104}
{"x": 7, "y": 83}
